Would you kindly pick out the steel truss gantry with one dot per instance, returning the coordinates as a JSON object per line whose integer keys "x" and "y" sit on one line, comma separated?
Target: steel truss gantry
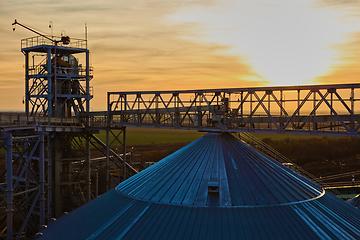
{"x": 312, "y": 109}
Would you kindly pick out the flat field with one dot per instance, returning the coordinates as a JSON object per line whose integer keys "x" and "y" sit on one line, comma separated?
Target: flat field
{"x": 141, "y": 136}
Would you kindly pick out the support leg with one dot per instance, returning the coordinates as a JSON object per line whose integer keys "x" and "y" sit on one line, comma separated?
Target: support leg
{"x": 107, "y": 160}
{"x": 57, "y": 173}
{"x": 9, "y": 189}
{"x": 42, "y": 179}
{"x": 88, "y": 169}
{"x": 124, "y": 153}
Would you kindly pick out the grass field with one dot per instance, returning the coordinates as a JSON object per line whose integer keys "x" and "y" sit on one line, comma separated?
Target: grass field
{"x": 140, "y": 136}
{"x": 143, "y": 136}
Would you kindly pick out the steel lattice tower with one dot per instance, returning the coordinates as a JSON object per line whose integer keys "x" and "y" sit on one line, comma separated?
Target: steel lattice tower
{"x": 57, "y": 84}
{"x": 48, "y": 169}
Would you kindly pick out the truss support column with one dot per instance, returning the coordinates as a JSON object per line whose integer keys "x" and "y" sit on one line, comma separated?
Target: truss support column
{"x": 281, "y": 111}
{"x": 42, "y": 179}
{"x": 88, "y": 169}
{"x": 56, "y": 87}
{"x": 57, "y": 177}
{"x": 124, "y": 153}
{"x": 156, "y": 110}
{"x": 242, "y": 105}
{"x": 298, "y": 113}
{"x": 108, "y": 143}
{"x": 107, "y": 159}
{"x": 27, "y": 85}
{"x": 314, "y": 116}
{"x": 49, "y": 178}
{"x": 269, "y": 124}
{"x": 87, "y": 82}
{"x": 352, "y": 124}
{"x": 199, "y": 112}
{"x": 331, "y": 110}
{"x": 49, "y": 96}
{"x": 251, "y": 110}
{"x": 96, "y": 183}
{"x": 9, "y": 189}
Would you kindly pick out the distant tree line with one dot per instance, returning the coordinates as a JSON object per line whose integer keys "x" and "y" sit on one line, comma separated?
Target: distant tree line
{"x": 321, "y": 156}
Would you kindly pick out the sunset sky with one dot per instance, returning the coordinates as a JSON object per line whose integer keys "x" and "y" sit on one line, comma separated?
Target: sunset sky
{"x": 191, "y": 44}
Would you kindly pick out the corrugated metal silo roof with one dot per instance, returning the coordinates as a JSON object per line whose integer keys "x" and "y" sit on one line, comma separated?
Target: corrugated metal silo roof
{"x": 214, "y": 188}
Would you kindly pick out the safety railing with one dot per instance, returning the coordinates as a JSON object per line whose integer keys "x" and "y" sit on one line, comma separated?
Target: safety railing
{"x": 9, "y": 119}
{"x": 40, "y": 40}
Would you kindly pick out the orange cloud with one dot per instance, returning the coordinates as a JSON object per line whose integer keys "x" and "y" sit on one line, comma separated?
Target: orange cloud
{"x": 347, "y": 68}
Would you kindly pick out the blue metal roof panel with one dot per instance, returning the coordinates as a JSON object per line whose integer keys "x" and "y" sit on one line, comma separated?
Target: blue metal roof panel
{"x": 134, "y": 219}
{"x": 257, "y": 199}
{"x": 245, "y": 176}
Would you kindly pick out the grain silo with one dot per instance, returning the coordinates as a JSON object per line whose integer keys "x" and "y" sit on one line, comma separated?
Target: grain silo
{"x": 217, "y": 187}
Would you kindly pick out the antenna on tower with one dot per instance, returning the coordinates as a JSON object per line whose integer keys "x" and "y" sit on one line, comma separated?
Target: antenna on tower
{"x": 86, "y": 34}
